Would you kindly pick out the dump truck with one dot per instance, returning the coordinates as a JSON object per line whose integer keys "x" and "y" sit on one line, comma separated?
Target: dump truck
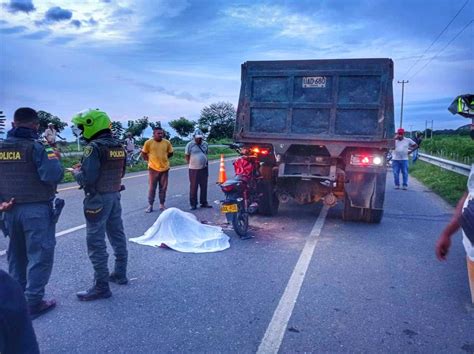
{"x": 323, "y": 127}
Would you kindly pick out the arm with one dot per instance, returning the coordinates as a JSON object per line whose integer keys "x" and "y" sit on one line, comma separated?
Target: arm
{"x": 170, "y": 150}
{"x": 444, "y": 241}
{"x": 47, "y": 163}
{"x": 88, "y": 173}
{"x": 145, "y": 151}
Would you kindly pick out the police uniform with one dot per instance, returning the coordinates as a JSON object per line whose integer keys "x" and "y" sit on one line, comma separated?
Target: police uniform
{"x": 102, "y": 168}
{"x": 29, "y": 173}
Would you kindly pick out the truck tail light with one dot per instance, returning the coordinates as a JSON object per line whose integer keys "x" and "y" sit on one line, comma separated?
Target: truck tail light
{"x": 366, "y": 160}
{"x": 260, "y": 151}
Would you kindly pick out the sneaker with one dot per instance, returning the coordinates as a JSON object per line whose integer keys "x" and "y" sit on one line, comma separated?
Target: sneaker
{"x": 193, "y": 207}
{"x": 397, "y": 187}
{"x": 43, "y": 307}
{"x": 206, "y": 206}
{"x": 149, "y": 209}
{"x": 98, "y": 291}
{"x": 162, "y": 207}
{"x": 405, "y": 188}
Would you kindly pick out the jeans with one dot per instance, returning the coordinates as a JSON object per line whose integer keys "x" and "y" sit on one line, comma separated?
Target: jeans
{"x": 415, "y": 155}
{"x": 400, "y": 165}
{"x": 31, "y": 248}
{"x": 111, "y": 224}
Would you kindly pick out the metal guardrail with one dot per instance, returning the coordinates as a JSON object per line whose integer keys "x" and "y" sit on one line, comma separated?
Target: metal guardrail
{"x": 446, "y": 164}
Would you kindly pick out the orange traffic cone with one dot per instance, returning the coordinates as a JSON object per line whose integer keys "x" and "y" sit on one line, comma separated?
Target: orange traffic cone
{"x": 222, "y": 176}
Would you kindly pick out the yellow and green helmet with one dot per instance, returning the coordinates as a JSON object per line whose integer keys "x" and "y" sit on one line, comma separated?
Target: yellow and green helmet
{"x": 91, "y": 121}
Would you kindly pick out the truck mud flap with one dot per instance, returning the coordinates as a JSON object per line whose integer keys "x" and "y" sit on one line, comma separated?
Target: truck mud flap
{"x": 365, "y": 190}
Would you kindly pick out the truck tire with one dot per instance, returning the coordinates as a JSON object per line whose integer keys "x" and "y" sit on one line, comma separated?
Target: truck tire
{"x": 373, "y": 216}
{"x": 268, "y": 201}
{"x": 350, "y": 213}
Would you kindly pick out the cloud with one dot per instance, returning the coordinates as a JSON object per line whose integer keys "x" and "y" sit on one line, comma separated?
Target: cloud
{"x": 76, "y": 23}
{"x": 184, "y": 95}
{"x": 56, "y": 13}
{"x": 21, "y": 6}
{"x": 92, "y": 22}
{"x": 62, "y": 40}
{"x": 37, "y": 35}
{"x": 286, "y": 23}
{"x": 13, "y": 30}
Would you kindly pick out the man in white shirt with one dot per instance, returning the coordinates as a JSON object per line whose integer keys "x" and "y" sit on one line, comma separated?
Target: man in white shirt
{"x": 50, "y": 135}
{"x": 129, "y": 144}
{"x": 403, "y": 147}
{"x": 196, "y": 156}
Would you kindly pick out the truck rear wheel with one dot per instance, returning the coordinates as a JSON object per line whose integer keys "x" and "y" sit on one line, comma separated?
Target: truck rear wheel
{"x": 268, "y": 202}
{"x": 373, "y": 216}
{"x": 351, "y": 213}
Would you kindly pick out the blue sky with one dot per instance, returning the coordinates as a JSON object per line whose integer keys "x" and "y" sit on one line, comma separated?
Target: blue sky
{"x": 170, "y": 58}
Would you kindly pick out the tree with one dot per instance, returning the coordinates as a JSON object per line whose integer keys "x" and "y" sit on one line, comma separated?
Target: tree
{"x": 182, "y": 126}
{"x": 45, "y": 118}
{"x": 117, "y": 129}
{"x": 138, "y": 126}
{"x": 218, "y": 119}
{"x": 157, "y": 124}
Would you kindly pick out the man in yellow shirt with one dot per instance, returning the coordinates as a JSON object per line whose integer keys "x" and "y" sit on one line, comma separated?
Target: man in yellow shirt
{"x": 157, "y": 152}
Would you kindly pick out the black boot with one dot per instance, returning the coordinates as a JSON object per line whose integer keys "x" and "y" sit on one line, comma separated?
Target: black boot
{"x": 98, "y": 291}
{"x": 118, "y": 279}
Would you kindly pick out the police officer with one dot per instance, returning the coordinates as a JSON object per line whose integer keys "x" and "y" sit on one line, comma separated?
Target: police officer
{"x": 29, "y": 174}
{"x": 100, "y": 174}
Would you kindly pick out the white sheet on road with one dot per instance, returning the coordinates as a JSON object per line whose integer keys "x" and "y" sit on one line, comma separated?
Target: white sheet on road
{"x": 183, "y": 232}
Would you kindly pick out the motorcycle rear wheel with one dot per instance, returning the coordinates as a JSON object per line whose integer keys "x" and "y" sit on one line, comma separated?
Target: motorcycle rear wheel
{"x": 240, "y": 223}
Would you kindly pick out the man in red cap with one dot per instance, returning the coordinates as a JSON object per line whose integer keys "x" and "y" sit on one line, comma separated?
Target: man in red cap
{"x": 403, "y": 147}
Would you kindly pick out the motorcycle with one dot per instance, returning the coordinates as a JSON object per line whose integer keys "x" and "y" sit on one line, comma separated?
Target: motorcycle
{"x": 241, "y": 191}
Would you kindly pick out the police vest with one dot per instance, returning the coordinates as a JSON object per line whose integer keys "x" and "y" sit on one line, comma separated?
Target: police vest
{"x": 112, "y": 162}
{"x": 19, "y": 176}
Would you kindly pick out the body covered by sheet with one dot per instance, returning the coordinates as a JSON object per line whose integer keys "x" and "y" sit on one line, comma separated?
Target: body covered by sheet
{"x": 183, "y": 232}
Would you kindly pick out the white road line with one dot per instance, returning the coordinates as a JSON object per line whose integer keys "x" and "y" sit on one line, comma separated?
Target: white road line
{"x": 140, "y": 175}
{"x": 68, "y": 231}
{"x": 61, "y": 233}
{"x": 72, "y": 229}
{"x": 276, "y": 329}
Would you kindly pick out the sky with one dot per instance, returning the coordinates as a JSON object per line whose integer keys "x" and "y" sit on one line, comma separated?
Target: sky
{"x": 170, "y": 58}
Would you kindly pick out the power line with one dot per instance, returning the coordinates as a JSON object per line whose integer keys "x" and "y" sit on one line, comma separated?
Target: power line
{"x": 441, "y": 50}
{"x": 436, "y": 39}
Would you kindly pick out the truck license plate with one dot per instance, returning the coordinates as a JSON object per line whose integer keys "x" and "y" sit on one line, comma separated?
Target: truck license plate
{"x": 229, "y": 208}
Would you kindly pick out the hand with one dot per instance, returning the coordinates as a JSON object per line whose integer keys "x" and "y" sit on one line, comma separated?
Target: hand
{"x": 442, "y": 247}
{"x": 4, "y": 206}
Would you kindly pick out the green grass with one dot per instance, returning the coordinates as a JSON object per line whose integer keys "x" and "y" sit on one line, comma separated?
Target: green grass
{"x": 177, "y": 159}
{"x": 449, "y": 185}
{"x": 452, "y": 147}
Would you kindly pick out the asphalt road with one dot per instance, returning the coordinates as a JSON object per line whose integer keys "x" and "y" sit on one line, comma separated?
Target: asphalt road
{"x": 305, "y": 282}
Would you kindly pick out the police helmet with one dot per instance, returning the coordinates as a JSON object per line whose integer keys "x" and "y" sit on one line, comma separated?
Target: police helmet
{"x": 91, "y": 121}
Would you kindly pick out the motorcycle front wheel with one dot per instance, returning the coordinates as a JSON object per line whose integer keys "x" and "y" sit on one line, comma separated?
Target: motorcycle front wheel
{"x": 240, "y": 223}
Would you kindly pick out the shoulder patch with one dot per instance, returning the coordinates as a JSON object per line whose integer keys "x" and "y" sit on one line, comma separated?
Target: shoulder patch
{"x": 88, "y": 151}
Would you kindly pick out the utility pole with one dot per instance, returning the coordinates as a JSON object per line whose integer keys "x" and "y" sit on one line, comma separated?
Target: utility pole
{"x": 411, "y": 130}
{"x": 431, "y": 129}
{"x": 403, "y": 82}
{"x": 426, "y": 129}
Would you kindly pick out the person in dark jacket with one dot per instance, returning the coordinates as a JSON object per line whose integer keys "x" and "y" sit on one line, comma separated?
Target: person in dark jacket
{"x": 100, "y": 174}
{"x": 16, "y": 331}
{"x": 29, "y": 174}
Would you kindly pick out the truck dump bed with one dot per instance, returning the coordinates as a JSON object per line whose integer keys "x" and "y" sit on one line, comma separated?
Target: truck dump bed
{"x": 314, "y": 101}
